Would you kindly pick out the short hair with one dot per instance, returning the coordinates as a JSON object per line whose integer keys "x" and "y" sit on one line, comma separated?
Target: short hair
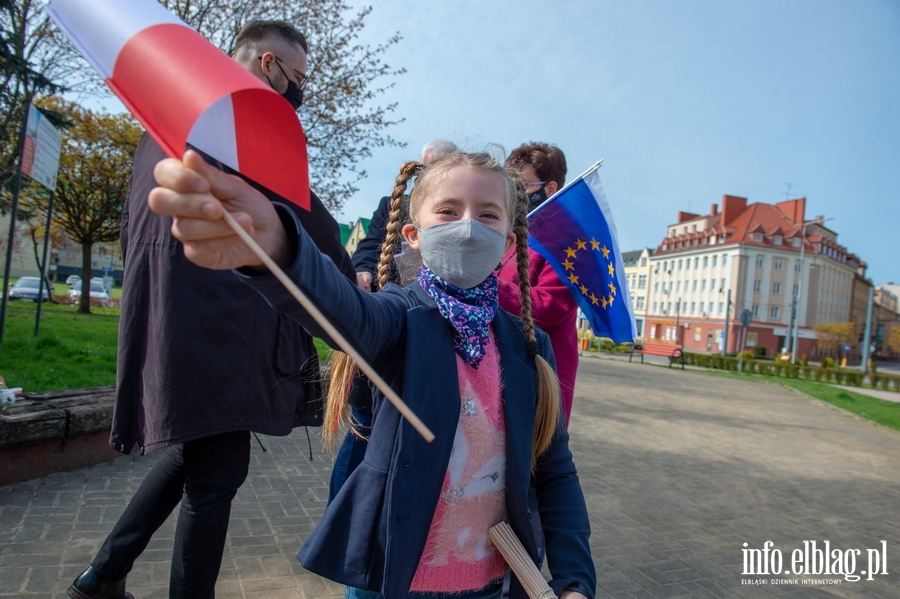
{"x": 437, "y": 148}
{"x": 258, "y": 31}
{"x": 548, "y": 162}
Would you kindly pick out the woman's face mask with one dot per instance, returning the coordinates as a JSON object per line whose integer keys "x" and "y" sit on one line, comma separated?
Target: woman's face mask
{"x": 462, "y": 252}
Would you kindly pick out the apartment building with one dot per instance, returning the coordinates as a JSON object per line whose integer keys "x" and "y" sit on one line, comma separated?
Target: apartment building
{"x": 765, "y": 258}
{"x": 637, "y": 270}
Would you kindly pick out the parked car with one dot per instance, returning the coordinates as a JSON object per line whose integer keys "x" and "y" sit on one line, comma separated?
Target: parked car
{"x": 26, "y": 288}
{"x": 98, "y": 291}
{"x": 71, "y": 279}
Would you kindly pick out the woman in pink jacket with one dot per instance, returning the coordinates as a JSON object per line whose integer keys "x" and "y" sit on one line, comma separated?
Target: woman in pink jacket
{"x": 543, "y": 169}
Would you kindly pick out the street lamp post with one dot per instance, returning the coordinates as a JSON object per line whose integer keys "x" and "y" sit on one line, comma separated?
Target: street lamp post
{"x": 795, "y": 314}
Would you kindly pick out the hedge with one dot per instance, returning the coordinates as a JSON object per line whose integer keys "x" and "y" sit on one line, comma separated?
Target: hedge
{"x": 837, "y": 376}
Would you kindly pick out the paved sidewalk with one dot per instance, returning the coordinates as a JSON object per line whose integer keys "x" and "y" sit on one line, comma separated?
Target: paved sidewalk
{"x": 679, "y": 469}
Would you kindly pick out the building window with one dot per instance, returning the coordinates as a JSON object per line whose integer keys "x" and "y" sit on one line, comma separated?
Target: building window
{"x": 693, "y": 307}
{"x": 757, "y": 286}
{"x": 714, "y": 261}
{"x": 654, "y": 308}
{"x": 796, "y": 290}
{"x": 759, "y": 261}
{"x": 644, "y": 261}
{"x": 776, "y": 288}
{"x": 703, "y": 241}
{"x": 724, "y": 260}
{"x": 774, "y": 313}
{"x": 721, "y": 307}
{"x": 702, "y": 306}
{"x": 687, "y": 264}
{"x": 642, "y": 282}
{"x": 779, "y": 264}
{"x": 693, "y": 228}
{"x": 678, "y": 286}
{"x": 696, "y": 262}
{"x": 679, "y": 264}
{"x": 669, "y": 308}
{"x": 705, "y": 261}
{"x": 777, "y": 240}
{"x": 695, "y": 284}
{"x": 757, "y": 237}
{"x": 797, "y": 266}
{"x": 712, "y": 240}
{"x": 703, "y": 285}
{"x": 656, "y": 288}
{"x": 712, "y": 284}
{"x": 796, "y": 241}
{"x": 756, "y": 310}
{"x": 640, "y": 302}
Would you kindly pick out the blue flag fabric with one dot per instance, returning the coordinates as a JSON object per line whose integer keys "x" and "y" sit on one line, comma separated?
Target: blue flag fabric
{"x": 574, "y": 231}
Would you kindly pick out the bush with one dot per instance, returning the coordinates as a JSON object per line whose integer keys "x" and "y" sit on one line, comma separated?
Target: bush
{"x": 760, "y": 351}
{"x": 853, "y": 377}
{"x": 827, "y": 362}
{"x": 818, "y": 373}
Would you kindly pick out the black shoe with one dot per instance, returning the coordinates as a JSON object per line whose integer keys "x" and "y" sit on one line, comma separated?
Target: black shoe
{"x": 90, "y": 585}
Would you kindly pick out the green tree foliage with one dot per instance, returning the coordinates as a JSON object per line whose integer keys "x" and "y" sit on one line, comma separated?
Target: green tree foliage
{"x": 94, "y": 172}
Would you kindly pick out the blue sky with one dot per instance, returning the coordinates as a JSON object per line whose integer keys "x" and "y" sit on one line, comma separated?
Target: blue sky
{"x": 685, "y": 101}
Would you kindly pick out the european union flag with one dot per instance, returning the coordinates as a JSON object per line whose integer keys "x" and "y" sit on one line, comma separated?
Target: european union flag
{"x": 574, "y": 231}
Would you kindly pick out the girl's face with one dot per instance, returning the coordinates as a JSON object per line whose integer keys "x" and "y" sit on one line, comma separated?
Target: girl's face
{"x": 464, "y": 193}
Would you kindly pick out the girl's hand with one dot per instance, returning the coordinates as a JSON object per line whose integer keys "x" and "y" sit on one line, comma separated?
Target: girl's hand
{"x": 195, "y": 194}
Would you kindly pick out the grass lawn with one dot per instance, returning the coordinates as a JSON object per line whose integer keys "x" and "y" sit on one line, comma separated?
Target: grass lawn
{"x": 72, "y": 350}
{"x": 883, "y": 412}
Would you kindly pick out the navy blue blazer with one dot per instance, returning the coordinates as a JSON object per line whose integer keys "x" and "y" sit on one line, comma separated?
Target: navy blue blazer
{"x": 373, "y": 534}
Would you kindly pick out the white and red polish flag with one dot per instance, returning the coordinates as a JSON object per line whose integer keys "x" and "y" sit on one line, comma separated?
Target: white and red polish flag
{"x": 184, "y": 90}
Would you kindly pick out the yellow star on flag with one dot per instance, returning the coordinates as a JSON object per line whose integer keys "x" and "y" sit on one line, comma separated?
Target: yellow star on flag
{"x": 570, "y": 253}
{"x": 604, "y": 301}
{"x": 584, "y": 289}
{"x": 612, "y": 288}
{"x": 611, "y": 300}
{"x": 573, "y": 278}
{"x": 612, "y": 271}
{"x": 569, "y": 265}
{"x": 595, "y": 300}
{"x": 582, "y": 245}
{"x": 605, "y": 251}
{"x": 595, "y": 245}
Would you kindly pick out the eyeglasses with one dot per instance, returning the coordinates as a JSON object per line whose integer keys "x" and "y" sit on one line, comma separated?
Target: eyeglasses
{"x": 533, "y": 183}
{"x": 303, "y": 78}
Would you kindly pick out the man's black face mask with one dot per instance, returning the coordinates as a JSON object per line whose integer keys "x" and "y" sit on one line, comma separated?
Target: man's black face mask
{"x": 293, "y": 94}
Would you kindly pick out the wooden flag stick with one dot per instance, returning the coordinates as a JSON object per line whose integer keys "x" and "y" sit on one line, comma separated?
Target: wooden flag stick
{"x": 506, "y": 541}
{"x": 330, "y": 330}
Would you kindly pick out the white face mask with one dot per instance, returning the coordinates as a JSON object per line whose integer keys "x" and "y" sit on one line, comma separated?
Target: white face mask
{"x": 462, "y": 252}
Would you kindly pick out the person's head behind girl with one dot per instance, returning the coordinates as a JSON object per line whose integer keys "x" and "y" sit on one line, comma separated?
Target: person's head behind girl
{"x": 455, "y": 188}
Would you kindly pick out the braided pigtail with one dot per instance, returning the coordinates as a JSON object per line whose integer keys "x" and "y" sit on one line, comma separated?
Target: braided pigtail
{"x": 343, "y": 368}
{"x": 392, "y": 238}
{"x": 547, "y": 412}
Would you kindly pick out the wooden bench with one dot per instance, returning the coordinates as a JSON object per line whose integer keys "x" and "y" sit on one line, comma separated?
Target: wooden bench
{"x": 668, "y": 350}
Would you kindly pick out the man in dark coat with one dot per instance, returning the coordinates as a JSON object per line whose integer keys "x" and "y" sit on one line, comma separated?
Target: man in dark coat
{"x": 203, "y": 361}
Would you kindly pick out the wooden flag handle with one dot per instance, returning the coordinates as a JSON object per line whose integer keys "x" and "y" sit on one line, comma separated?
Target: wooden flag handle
{"x": 510, "y": 547}
{"x": 330, "y": 330}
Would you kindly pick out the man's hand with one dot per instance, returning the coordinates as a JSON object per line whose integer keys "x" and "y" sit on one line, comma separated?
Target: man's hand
{"x": 364, "y": 280}
{"x": 195, "y": 194}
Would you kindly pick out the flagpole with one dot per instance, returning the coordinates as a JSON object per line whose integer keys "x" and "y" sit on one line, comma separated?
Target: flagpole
{"x": 330, "y": 330}
{"x": 592, "y": 169}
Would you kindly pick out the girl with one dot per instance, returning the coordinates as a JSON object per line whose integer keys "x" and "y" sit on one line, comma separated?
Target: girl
{"x": 412, "y": 519}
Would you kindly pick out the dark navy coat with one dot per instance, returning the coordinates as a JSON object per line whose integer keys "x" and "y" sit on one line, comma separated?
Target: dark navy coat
{"x": 373, "y": 534}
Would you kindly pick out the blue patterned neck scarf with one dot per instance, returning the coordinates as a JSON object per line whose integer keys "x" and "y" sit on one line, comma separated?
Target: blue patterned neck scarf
{"x": 470, "y": 311}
